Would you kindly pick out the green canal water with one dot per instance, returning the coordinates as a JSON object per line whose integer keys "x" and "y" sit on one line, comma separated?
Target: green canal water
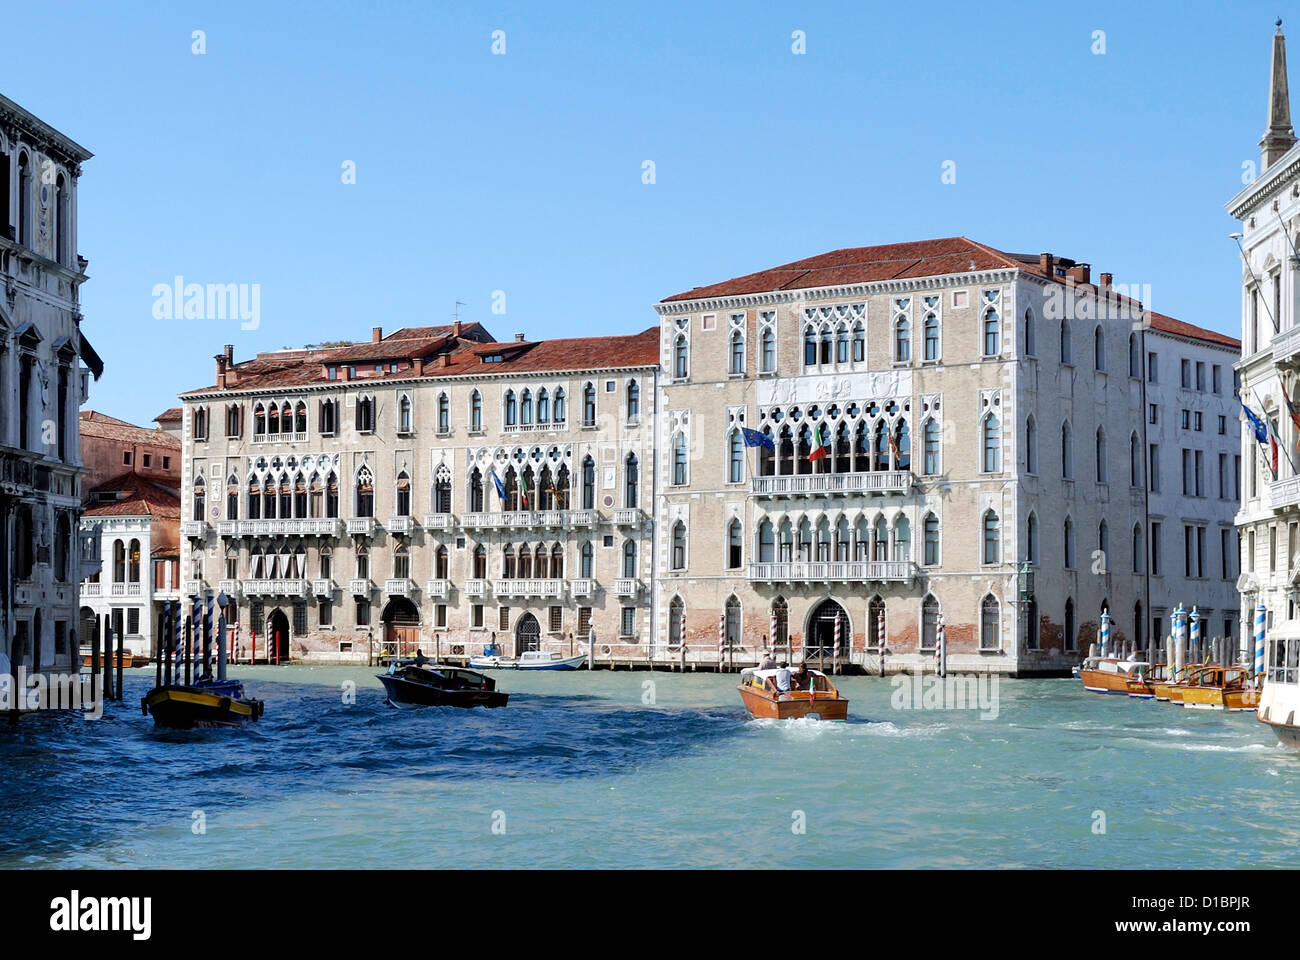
{"x": 648, "y": 770}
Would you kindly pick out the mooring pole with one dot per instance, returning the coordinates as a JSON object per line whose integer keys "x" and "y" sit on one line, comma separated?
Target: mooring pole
{"x": 189, "y": 641}
{"x": 95, "y": 641}
{"x": 120, "y": 655}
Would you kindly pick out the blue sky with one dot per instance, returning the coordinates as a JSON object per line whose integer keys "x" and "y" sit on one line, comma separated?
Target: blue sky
{"x": 522, "y": 172}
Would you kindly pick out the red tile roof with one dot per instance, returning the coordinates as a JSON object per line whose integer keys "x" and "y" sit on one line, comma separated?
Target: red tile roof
{"x": 465, "y": 356}
{"x": 104, "y": 427}
{"x": 136, "y": 497}
{"x": 170, "y": 415}
{"x": 892, "y": 261}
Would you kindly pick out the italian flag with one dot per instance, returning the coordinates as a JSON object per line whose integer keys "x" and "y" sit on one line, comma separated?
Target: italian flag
{"x": 525, "y": 486}
{"x": 822, "y": 438}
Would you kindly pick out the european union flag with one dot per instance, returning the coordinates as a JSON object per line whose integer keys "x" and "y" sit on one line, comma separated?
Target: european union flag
{"x": 1257, "y": 425}
{"x": 755, "y": 439}
{"x": 501, "y": 487}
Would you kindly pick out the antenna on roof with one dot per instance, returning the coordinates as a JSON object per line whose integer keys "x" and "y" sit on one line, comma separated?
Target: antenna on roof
{"x": 456, "y": 313}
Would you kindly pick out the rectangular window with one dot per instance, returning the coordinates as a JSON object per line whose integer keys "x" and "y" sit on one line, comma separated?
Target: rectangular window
{"x": 1154, "y": 469}
{"x": 126, "y": 458}
{"x": 627, "y": 622}
{"x": 133, "y": 621}
{"x": 584, "y": 621}
{"x": 1225, "y": 550}
{"x": 440, "y": 616}
{"x": 1216, "y": 378}
{"x": 300, "y": 617}
{"x": 1198, "y": 472}
{"x": 325, "y": 612}
{"x": 1223, "y": 425}
{"x": 1197, "y": 423}
{"x": 1153, "y": 415}
{"x": 1153, "y": 369}
{"x": 167, "y": 463}
{"x": 1250, "y": 551}
{"x": 1187, "y": 472}
{"x": 363, "y": 613}
{"x": 476, "y": 616}
{"x": 503, "y": 619}
{"x": 1200, "y": 376}
{"x": 1272, "y": 549}
{"x": 148, "y": 460}
{"x": 556, "y": 619}
{"x": 1186, "y": 419}
{"x": 1155, "y": 549}
{"x": 1185, "y": 369}
{"x": 1223, "y": 476}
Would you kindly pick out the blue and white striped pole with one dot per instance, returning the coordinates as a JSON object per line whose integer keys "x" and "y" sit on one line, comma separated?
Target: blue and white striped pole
{"x": 1105, "y": 631}
{"x": 1261, "y": 619}
{"x": 1196, "y": 631}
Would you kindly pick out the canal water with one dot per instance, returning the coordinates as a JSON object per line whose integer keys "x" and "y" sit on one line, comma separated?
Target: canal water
{"x": 648, "y": 770}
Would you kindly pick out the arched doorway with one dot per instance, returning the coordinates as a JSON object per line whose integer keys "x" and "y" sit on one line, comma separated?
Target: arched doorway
{"x": 821, "y": 630}
{"x": 277, "y": 636}
{"x": 528, "y": 634}
{"x": 89, "y": 631}
{"x": 401, "y": 627}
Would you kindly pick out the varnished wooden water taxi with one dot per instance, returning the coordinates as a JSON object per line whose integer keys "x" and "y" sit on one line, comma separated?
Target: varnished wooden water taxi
{"x": 1112, "y": 675}
{"x": 1216, "y": 687}
{"x": 763, "y": 701}
{"x": 204, "y": 703}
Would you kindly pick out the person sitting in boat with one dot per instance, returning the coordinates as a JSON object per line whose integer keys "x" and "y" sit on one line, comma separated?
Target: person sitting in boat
{"x": 767, "y": 662}
{"x": 420, "y": 658}
{"x": 802, "y": 679}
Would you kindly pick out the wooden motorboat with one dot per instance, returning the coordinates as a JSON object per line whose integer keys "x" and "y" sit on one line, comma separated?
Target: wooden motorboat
{"x": 762, "y": 699}
{"x": 1168, "y": 691}
{"x": 413, "y": 683}
{"x": 1110, "y": 674}
{"x": 204, "y": 703}
{"x": 1216, "y": 687}
{"x": 109, "y": 661}
{"x": 529, "y": 660}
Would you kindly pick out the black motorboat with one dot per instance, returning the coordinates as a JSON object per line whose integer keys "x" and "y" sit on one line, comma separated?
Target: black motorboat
{"x": 420, "y": 683}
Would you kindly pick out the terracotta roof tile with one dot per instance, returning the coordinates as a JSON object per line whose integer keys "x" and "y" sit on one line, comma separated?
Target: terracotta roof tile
{"x": 101, "y": 426}
{"x": 137, "y": 497}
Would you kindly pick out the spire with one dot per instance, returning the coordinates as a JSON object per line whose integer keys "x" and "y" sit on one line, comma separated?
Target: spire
{"x": 1279, "y": 137}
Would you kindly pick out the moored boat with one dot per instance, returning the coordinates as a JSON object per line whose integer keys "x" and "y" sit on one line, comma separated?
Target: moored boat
{"x": 1215, "y": 687}
{"x": 763, "y": 701}
{"x": 109, "y": 661}
{"x": 529, "y": 660}
{"x": 416, "y": 683}
{"x": 1111, "y": 674}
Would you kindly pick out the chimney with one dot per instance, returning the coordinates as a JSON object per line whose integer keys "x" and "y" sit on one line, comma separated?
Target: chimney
{"x": 444, "y": 359}
{"x": 1079, "y": 273}
{"x": 418, "y": 363}
{"x": 455, "y": 329}
{"x": 221, "y": 371}
{"x": 1045, "y": 264}
{"x": 519, "y": 338}
{"x": 229, "y": 350}
{"x": 1107, "y": 281}
{"x": 1279, "y": 137}
{"x": 376, "y": 334}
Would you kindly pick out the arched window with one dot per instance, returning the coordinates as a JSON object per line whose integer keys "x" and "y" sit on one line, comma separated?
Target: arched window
{"x": 365, "y": 493}
{"x": 629, "y": 559}
{"x": 841, "y": 343}
{"x": 119, "y": 559}
{"x": 679, "y": 546}
{"x": 781, "y": 622}
{"x": 508, "y": 570}
{"x": 477, "y": 491}
{"x": 736, "y": 353}
{"x": 328, "y": 417}
{"x": 931, "y": 440}
{"x": 1139, "y": 553}
{"x": 1134, "y": 460}
{"x": 24, "y": 200}
{"x": 990, "y": 623}
{"x": 444, "y": 413}
{"x": 317, "y": 498}
{"x": 876, "y": 635}
{"x": 633, "y": 401}
{"x": 676, "y": 616}
{"x": 766, "y": 542}
{"x": 526, "y": 408}
{"x": 679, "y": 460}
{"x": 1066, "y": 356}
{"x": 440, "y": 563}
{"x": 365, "y": 415}
{"x": 1101, "y": 455}
{"x": 133, "y": 562}
{"x": 631, "y": 482}
{"x": 902, "y": 539}
{"x": 809, "y": 345}
{"x": 930, "y": 336}
{"x": 299, "y": 496}
{"x": 732, "y": 623}
{"x": 200, "y": 493}
{"x": 991, "y": 430}
{"x": 300, "y": 418}
{"x": 511, "y": 409}
{"x": 476, "y": 412}
{"x": 543, "y": 406}
{"x": 234, "y": 414}
{"x": 1067, "y": 542}
{"x": 442, "y": 490}
{"x": 557, "y": 561}
{"x": 254, "y": 499}
{"x": 332, "y": 496}
{"x": 735, "y": 457}
{"x": 992, "y": 538}
{"x": 735, "y": 544}
{"x": 1031, "y": 538}
{"x": 286, "y": 497}
{"x": 585, "y": 560}
{"x": 1067, "y": 452}
{"x": 589, "y": 405}
{"x": 232, "y": 497}
{"x": 992, "y": 332}
{"x": 681, "y": 366}
{"x": 259, "y": 420}
{"x": 401, "y": 562}
{"x": 560, "y": 408}
{"x": 1031, "y": 444}
{"x": 60, "y": 239}
{"x": 903, "y": 446}
{"x": 588, "y": 483}
{"x": 930, "y": 555}
{"x": 1031, "y": 349}
{"x": 1134, "y": 357}
{"x": 902, "y": 340}
{"x": 1098, "y": 348}
{"x": 403, "y": 494}
{"x": 859, "y": 342}
{"x": 929, "y": 622}
{"x": 767, "y": 351}
{"x": 480, "y": 562}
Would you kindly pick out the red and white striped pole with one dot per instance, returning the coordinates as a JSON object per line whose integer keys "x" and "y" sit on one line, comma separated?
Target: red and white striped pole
{"x": 682, "y": 631}
{"x": 835, "y": 657}
{"x": 880, "y": 641}
{"x": 772, "y": 632}
{"x": 940, "y": 653}
{"x": 722, "y": 641}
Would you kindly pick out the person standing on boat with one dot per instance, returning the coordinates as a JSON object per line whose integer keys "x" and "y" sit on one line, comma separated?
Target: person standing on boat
{"x": 783, "y": 679}
{"x": 767, "y": 662}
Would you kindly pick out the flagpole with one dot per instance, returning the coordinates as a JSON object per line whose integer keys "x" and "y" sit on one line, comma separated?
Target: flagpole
{"x": 1269, "y": 425}
{"x": 1255, "y": 280}
{"x": 1251, "y": 414}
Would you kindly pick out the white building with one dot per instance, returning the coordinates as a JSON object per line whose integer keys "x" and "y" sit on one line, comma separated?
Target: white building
{"x": 42, "y": 385}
